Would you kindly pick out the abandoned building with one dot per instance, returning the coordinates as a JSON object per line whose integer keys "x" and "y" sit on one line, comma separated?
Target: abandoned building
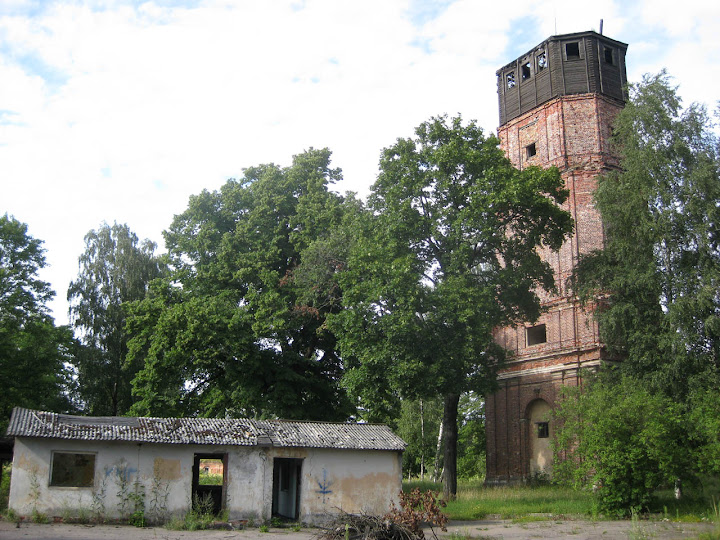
{"x": 557, "y": 103}
{"x": 302, "y": 471}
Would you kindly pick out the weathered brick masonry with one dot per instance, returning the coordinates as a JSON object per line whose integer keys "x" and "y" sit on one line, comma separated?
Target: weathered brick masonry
{"x": 559, "y": 115}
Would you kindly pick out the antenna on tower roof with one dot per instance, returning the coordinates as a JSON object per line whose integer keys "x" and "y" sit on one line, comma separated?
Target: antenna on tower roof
{"x": 601, "y": 25}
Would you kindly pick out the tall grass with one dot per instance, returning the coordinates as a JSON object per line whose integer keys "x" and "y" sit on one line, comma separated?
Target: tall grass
{"x": 475, "y": 501}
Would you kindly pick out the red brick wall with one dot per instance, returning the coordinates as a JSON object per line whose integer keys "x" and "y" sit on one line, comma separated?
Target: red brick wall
{"x": 571, "y": 133}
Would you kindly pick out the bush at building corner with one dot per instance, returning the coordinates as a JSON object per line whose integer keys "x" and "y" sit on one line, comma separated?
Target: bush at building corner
{"x": 621, "y": 440}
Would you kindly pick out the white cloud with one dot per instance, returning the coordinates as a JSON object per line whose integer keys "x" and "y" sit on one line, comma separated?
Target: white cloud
{"x": 113, "y": 112}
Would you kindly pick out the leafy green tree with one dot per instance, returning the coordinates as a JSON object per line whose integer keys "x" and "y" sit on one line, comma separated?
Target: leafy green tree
{"x": 115, "y": 268}
{"x": 448, "y": 254}
{"x": 234, "y": 330}
{"x": 34, "y": 353}
{"x": 621, "y": 438}
{"x": 704, "y": 425}
{"x": 471, "y": 437}
{"x": 418, "y": 425}
{"x": 661, "y": 261}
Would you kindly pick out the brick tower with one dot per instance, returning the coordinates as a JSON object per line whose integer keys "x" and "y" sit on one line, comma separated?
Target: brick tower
{"x": 557, "y": 103}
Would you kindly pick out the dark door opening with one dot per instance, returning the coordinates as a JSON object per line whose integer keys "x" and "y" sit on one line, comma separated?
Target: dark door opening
{"x": 208, "y": 488}
{"x": 286, "y": 487}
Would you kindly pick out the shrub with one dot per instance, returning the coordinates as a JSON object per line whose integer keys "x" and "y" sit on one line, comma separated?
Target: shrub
{"x": 5, "y": 487}
{"x": 620, "y": 439}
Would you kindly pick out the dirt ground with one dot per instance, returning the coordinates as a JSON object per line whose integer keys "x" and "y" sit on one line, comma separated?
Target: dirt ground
{"x": 478, "y": 530}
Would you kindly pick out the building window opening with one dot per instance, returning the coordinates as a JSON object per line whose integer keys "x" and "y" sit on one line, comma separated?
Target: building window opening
{"x": 609, "y": 56}
{"x": 530, "y": 151}
{"x": 543, "y": 430}
{"x": 510, "y": 77}
{"x": 526, "y": 71}
{"x": 72, "y": 470}
{"x": 541, "y": 61}
{"x": 536, "y": 335}
{"x": 572, "y": 50}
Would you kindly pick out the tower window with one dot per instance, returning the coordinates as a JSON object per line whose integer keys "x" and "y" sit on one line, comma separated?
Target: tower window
{"x": 530, "y": 151}
{"x": 510, "y": 77}
{"x": 543, "y": 430}
{"x": 572, "y": 50}
{"x": 609, "y": 56}
{"x": 526, "y": 72}
{"x": 541, "y": 61}
{"x": 536, "y": 335}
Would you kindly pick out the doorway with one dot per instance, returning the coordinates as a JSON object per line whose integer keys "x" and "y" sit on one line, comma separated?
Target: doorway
{"x": 541, "y": 456}
{"x": 286, "y": 487}
{"x": 209, "y": 482}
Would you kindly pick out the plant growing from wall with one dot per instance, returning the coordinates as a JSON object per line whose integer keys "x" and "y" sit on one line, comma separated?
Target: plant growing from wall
{"x": 137, "y": 500}
{"x": 37, "y": 516}
{"x": 99, "y": 493}
{"x": 122, "y": 480}
{"x": 159, "y": 494}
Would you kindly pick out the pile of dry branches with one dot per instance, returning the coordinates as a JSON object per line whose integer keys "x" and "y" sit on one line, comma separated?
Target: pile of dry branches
{"x": 405, "y": 523}
{"x": 366, "y": 527}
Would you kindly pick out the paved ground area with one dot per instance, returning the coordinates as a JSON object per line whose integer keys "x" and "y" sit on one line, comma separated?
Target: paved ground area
{"x": 478, "y": 530}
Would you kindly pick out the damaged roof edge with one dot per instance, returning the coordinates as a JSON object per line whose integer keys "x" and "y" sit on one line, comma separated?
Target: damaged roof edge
{"x": 215, "y": 431}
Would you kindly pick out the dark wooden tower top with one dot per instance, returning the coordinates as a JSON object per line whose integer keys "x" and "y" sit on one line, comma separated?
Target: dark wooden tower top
{"x": 580, "y": 63}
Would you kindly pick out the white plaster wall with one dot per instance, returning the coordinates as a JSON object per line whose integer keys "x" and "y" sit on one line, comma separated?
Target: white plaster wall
{"x": 167, "y": 467}
{"x": 332, "y": 480}
{"x": 342, "y": 480}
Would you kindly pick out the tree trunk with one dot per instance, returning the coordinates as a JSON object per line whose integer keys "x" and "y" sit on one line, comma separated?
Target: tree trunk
{"x": 422, "y": 441}
{"x": 450, "y": 413}
{"x": 436, "y": 468}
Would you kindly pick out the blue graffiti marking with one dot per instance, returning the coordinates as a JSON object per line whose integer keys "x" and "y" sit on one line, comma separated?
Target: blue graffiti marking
{"x": 324, "y": 486}
{"x": 125, "y": 472}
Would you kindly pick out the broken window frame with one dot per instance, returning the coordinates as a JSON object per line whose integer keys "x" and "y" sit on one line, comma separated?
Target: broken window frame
{"x": 543, "y": 430}
{"x": 536, "y": 335}
{"x": 510, "y": 79}
{"x": 72, "y": 469}
{"x": 576, "y": 53}
{"x": 526, "y": 71}
{"x": 541, "y": 61}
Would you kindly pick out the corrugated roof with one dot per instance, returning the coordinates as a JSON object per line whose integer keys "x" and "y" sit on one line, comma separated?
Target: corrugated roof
{"x": 215, "y": 431}
{"x": 330, "y": 435}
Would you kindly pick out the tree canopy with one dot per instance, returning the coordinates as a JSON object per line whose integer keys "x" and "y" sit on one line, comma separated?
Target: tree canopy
{"x": 231, "y": 331}
{"x": 654, "y": 418}
{"x": 661, "y": 262}
{"x": 115, "y": 268}
{"x": 34, "y": 353}
{"x": 448, "y": 254}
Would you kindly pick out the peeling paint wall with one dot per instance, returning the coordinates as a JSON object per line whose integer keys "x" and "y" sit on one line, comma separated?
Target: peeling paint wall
{"x": 331, "y": 480}
{"x": 348, "y": 480}
{"x": 163, "y": 472}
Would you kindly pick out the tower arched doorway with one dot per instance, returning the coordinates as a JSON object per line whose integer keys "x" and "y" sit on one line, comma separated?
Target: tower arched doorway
{"x": 540, "y": 437}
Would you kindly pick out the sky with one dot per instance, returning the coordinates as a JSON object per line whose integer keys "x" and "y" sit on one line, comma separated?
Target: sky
{"x": 120, "y": 110}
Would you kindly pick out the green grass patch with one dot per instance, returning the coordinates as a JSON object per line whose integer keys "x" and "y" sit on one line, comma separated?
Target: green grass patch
{"x": 537, "y": 503}
{"x": 476, "y": 501}
{"x": 517, "y": 502}
{"x": 206, "y": 479}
